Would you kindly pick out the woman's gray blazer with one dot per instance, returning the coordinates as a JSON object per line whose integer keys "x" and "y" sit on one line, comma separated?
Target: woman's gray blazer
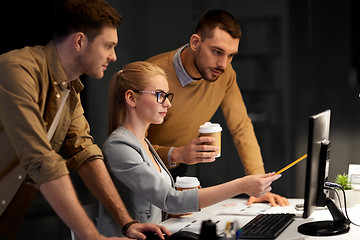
{"x": 140, "y": 186}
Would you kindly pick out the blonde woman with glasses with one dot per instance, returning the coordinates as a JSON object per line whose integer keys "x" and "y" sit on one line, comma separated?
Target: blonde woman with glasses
{"x": 139, "y": 96}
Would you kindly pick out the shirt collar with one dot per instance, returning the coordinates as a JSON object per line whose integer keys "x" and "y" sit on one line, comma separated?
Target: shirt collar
{"x": 183, "y": 76}
{"x": 57, "y": 73}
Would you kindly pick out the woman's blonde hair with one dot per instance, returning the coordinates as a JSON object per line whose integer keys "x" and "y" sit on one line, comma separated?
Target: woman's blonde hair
{"x": 134, "y": 76}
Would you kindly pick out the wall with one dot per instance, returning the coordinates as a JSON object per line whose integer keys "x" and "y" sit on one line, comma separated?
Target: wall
{"x": 322, "y": 77}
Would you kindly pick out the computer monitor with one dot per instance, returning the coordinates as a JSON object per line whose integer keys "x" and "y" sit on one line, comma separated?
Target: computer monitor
{"x": 317, "y": 169}
{"x": 317, "y": 166}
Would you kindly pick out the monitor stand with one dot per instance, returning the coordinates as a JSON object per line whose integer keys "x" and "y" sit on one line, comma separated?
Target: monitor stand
{"x": 339, "y": 225}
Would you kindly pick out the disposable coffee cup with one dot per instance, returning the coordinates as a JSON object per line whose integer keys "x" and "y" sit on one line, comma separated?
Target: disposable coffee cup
{"x": 184, "y": 183}
{"x": 212, "y": 130}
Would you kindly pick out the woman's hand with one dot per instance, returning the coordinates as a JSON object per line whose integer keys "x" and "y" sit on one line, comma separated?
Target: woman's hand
{"x": 259, "y": 184}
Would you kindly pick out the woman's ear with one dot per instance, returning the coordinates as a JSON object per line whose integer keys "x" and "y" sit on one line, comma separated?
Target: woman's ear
{"x": 130, "y": 98}
{"x": 195, "y": 41}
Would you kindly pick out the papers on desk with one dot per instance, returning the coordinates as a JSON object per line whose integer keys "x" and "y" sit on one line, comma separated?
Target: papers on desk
{"x": 242, "y": 209}
{"x": 187, "y": 223}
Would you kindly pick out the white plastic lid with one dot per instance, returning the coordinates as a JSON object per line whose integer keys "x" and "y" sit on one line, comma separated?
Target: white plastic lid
{"x": 209, "y": 127}
{"x": 186, "y": 182}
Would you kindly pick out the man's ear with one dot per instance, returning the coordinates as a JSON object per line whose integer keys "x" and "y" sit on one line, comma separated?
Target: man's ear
{"x": 80, "y": 41}
{"x": 130, "y": 98}
{"x": 195, "y": 41}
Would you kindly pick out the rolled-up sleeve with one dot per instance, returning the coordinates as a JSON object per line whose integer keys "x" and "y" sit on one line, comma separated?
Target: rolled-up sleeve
{"x": 24, "y": 126}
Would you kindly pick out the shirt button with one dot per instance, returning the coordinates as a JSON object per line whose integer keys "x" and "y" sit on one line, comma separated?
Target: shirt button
{"x": 19, "y": 177}
{"x": 58, "y": 95}
{"x": 3, "y": 202}
{"x": 55, "y": 83}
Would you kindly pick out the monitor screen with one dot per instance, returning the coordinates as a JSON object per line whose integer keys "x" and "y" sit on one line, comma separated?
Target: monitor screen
{"x": 317, "y": 169}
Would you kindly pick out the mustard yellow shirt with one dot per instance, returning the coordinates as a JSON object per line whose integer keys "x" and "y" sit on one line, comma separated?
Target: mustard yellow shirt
{"x": 196, "y": 103}
{"x": 31, "y": 83}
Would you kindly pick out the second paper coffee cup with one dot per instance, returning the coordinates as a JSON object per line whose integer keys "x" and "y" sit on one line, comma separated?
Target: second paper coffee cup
{"x": 183, "y": 183}
{"x": 212, "y": 130}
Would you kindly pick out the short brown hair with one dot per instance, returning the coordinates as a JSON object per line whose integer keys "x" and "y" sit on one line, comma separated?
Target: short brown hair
{"x": 217, "y": 18}
{"x": 87, "y": 16}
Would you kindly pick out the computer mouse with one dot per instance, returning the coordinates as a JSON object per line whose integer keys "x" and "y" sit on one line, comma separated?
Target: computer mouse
{"x": 183, "y": 235}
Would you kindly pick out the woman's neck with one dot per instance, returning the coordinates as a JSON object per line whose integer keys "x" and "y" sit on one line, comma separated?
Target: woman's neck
{"x": 138, "y": 129}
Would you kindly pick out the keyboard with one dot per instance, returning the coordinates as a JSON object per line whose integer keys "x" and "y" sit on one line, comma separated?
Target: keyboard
{"x": 266, "y": 226}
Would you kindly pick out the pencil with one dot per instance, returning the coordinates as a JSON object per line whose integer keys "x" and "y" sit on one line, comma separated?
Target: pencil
{"x": 291, "y": 164}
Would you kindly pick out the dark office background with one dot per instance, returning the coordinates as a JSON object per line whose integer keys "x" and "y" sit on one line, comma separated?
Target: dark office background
{"x": 297, "y": 58}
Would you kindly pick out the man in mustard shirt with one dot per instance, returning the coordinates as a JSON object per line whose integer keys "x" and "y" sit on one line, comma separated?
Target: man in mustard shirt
{"x": 35, "y": 82}
{"x": 201, "y": 77}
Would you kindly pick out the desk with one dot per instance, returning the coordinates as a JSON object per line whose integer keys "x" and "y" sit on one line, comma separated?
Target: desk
{"x": 229, "y": 210}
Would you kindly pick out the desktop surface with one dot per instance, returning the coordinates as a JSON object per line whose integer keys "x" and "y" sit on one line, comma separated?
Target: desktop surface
{"x": 235, "y": 209}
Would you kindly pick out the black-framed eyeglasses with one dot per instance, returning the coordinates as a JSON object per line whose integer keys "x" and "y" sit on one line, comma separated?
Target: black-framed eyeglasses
{"x": 160, "y": 95}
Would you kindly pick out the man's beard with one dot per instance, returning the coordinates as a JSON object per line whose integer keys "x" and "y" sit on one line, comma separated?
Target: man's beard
{"x": 202, "y": 71}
